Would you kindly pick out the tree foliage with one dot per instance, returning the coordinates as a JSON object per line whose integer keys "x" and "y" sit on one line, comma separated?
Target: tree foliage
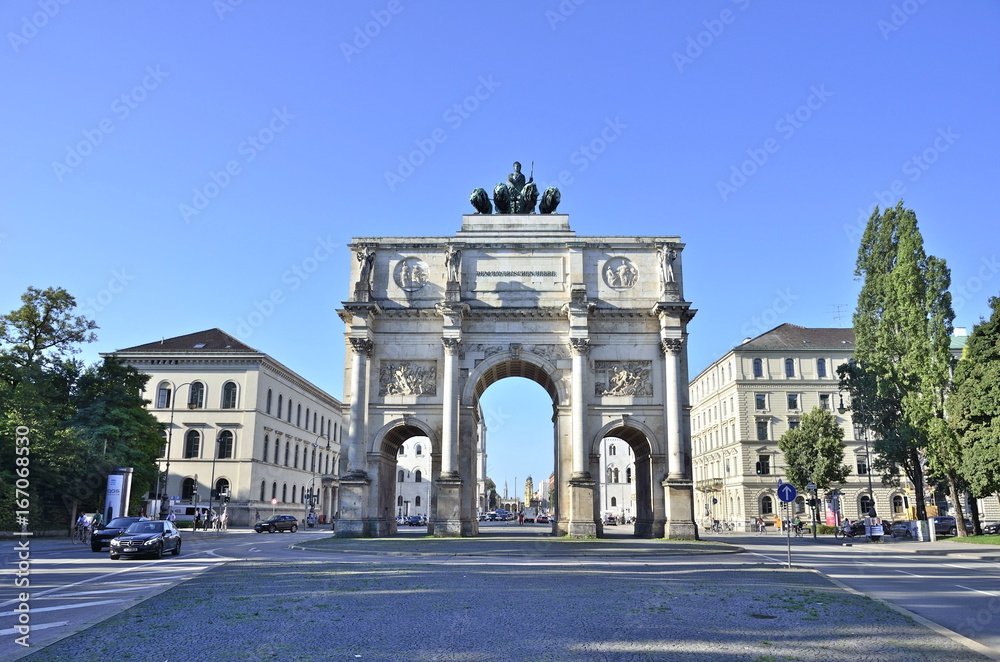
{"x": 902, "y": 325}
{"x": 81, "y": 421}
{"x": 814, "y": 451}
{"x": 974, "y": 406}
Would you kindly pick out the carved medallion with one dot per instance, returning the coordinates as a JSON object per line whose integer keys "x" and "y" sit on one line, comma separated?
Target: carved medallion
{"x": 623, "y": 378}
{"x": 407, "y": 378}
{"x": 411, "y": 274}
{"x": 619, "y": 273}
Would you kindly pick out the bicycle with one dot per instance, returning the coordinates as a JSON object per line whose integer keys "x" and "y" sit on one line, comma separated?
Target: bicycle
{"x": 81, "y": 534}
{"x": 841, "y": 534}
{"x": 799, "y": 530}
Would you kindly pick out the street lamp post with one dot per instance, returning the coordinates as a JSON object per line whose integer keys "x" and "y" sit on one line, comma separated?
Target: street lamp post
{"x": 165, "y": 503}
{"x": 868, "y": 457}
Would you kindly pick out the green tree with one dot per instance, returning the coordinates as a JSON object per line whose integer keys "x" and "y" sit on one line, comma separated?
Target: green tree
{"x": 814, "y": 451}
{"x": 974, "y": 407}
{"x": 902, "y": 323}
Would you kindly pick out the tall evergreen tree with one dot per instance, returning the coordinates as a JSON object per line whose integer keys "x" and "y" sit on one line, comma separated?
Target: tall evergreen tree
{"x": 902, "y": 323}
{"x": 974, "y": 407}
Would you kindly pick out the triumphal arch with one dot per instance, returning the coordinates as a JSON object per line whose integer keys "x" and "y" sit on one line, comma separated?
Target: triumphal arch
{"x": 599, "y": 322}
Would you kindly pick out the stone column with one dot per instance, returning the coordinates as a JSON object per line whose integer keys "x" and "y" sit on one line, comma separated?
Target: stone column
{"x": 580, "y": 347}
{"x": 672, "y": 348}
{"x": 449, "y": 410}
{"x": 361, "y": 349}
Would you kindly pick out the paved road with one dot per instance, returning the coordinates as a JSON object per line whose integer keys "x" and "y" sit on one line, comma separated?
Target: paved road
{"x": 508, "y": 595}
{"x": 956, "y": 585}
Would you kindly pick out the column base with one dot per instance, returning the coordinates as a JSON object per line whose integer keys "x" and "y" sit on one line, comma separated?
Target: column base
{"x": 352, "y": 522}
{"x": 448, "y": 517}
{"x": 679, "y": 501}
{"x": 581, "y": 522}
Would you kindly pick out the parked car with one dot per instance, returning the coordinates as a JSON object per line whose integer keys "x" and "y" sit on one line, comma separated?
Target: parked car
{"x": 944, "y": 525}
{"x": 610, "y": 521}
{"x": 991, "y": 528}
{"x": 901, "y": 529}
{"x": 152, "y": 538}
{"x": 415, "y": 520}
{"x": 277, "y": 523}
{"x": 101, "y": 538}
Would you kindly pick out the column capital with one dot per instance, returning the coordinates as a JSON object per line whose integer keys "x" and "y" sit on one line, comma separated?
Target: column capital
{"x": 579, "y": 346}
{"x": 671, "y": 346}
{"x": 362, "y": 346}
{"x": 451, "y": 345}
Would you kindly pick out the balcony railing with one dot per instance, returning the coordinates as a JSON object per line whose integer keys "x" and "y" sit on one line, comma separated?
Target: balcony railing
{"x": 709, "y": 485}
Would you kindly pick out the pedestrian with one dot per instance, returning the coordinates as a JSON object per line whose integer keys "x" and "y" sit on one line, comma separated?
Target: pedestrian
{"x": 209, "y": 517}
{"x": 197, "y": 520}
{"x": 224, "y": 525}
{"x": 171, "y": 516}
{"x": 520, "y": 517}
{"x": 256, "y": 516}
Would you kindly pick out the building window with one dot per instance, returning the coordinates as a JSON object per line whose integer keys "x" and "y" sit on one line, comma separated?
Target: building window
{"x": 420, "y": 450}
{"x": 611, "y": 449}
{"x": 267, "y": 442}
{"x": 399, "y": 476}
{"x": 417, "y": 476}
{"x": 277, "y": 449}
{"x": 192, "y": 443}
{"x": 268, "y": 409}
{"x": 824, "y": 401}
{"x": 399, "y": 500}
{"x": 163, "y": 446}
{"x": 293, "y": 493}
{"x": 760, "y": 401}
{"x": 288, "y": 450}
{"x": 279, "y": 405}
{"x": 289, "y": 416}
{"x": 274, "y": 490}
{"x": 226, "y": 443}
{"x": 298, "y": 415}
{"x": 284, "y": 493}
{"x": 312, "y": 462}
{"x": 196, "y": 396}
{"x": 163, "y": 396}
{"x": 765, "y": 464}
{"x": 864, "y": 505}
{"x": 221, "y": 487}
{"x": 766, "y": 505}
{"x": 789, "y": 367}
{"x": 615, "y": 475}
{"x": 758, "y": 368}
{"x": 862, "y": 465}
{"x": 761, "y": 430}
{"x": 416, "y": 501}
{"x": 793, "y": 401}
{"x": 263, "y": 490}
{"x": 821, "y": 367}
{"x": 297, "y": 456}
{"x": 614, "y": 502}
{"x": 229, "y": 395}
{"x": 793, "y": 424}
{"x": 898, "y": 504}
{"x": 314, "y": 422}
{"x": 322, "y": 425}
{"x": 628, "y": 475}
{"x": 307, "y": 418}
{"x": 187, "y": 489}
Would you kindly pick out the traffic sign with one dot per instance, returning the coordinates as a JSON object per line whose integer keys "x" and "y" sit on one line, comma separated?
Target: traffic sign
{"x": 786, "y": 492}
{"x": 811, "y": 487}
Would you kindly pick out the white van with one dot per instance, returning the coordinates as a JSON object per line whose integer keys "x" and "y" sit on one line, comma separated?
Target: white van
{"x": 187, "y": 513}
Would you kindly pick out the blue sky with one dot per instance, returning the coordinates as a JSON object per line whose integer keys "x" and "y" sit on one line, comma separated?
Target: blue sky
{"x": 183, "y": 166}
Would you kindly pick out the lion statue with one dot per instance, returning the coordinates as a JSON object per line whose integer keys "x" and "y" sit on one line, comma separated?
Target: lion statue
{"x": 550, "y": 200}
{"x": 481, "y": 201}
{"x": 501, "y": 198}
{"x": 529, "y": 198}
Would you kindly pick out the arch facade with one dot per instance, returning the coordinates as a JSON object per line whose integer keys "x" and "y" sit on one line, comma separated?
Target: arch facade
{"x": 599, "y": 322}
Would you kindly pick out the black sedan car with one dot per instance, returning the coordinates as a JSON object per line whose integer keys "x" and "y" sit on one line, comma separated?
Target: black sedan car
{"x": 277, "y": 523}
{"x": 147, "y": 538}
{"x": 101, "y": 538}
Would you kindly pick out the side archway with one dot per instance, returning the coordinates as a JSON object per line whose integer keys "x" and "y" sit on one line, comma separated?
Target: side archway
{"x": 383, "y": 453}
{"x": 650, "y": 470}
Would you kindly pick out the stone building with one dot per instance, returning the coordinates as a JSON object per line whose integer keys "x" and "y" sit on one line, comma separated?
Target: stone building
{"x": 237, "y": 421}
{"x": 617, "y": 484}
{"x": 413, "y": 478}
{"x": 744, "y": 402}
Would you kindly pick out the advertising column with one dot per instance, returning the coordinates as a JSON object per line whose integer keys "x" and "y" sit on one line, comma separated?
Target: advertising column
{"x": 119, "y": 491}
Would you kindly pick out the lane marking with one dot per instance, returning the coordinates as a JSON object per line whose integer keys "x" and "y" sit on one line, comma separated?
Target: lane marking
{"x": 107, "y": 590}
{"x": 903, "y": 572}
{"x": 35, "y": 610}
{"x": 34, "y": 627}
{"x": 976, "y": 590}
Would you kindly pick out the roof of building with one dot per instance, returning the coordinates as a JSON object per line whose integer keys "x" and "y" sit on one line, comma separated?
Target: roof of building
{"x": 210, "y": 340}
{"x": 790, "y": 336}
